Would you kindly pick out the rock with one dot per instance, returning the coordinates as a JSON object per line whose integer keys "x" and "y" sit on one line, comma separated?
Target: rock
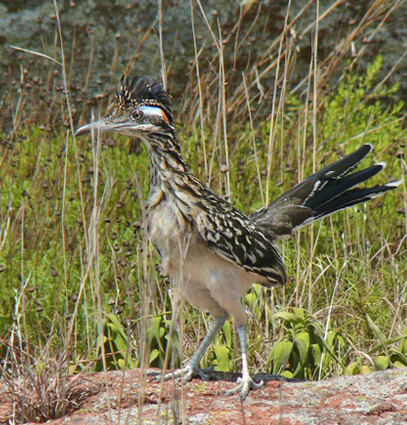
{"x": 130, "y": 398}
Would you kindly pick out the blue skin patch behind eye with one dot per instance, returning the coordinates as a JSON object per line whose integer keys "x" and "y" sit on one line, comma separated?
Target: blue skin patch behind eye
{"x": 150, "y": 110}
{"x": 153, "y": 110}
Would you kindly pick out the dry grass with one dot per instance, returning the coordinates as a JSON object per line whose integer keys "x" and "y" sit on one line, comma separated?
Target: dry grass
{"x": 40, "y": 388}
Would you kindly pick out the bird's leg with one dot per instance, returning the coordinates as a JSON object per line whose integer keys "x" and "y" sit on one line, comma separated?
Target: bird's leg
{"x": 187, "y": 372}
{"x": 246, "y": 383}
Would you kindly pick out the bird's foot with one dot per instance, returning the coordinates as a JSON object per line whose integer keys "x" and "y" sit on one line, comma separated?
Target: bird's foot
{"x": 185, "y": 374}
{"x": 245, "y": 384}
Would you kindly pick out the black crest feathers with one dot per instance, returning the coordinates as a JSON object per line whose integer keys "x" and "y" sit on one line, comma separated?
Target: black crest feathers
{"x": 143, "y": 91}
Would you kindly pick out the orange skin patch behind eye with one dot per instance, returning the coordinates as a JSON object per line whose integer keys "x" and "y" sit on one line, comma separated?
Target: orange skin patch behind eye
{"x": 165, "y": 116}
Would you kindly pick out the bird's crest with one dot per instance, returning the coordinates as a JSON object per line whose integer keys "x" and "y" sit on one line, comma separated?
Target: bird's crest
{"x": 143, "y": 91}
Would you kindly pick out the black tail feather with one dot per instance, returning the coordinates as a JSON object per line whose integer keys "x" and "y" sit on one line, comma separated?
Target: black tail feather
{"x": 350, "y": 198}
{"x": 343, "y": 166}
{"x": 331, "y": 189}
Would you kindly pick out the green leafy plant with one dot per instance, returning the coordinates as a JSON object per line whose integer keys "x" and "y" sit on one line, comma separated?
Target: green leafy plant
{"x": 384, "y": 355}
{"x": 305, "y": 350}
{"x": 162, "y": 343}
{"x": 222, "y": 349}
{"x": 114, "y": 345}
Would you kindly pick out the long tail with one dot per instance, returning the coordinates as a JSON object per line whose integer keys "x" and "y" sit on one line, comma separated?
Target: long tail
{"x": 330, "y": 189}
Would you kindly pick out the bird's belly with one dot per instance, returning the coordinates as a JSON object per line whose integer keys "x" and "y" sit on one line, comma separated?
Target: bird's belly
{"x": 193, "y": 265}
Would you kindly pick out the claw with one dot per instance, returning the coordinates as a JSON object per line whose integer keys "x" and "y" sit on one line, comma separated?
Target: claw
{"x": 206, "y": 374}
{"x": 245, "y": 384}
{"x": 185, "y": 374}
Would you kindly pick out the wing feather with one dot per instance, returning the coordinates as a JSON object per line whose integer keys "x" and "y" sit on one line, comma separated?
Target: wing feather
{"x": 233, "y": 236}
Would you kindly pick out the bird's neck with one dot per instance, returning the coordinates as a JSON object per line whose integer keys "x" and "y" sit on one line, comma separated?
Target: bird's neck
{"x": 166, "y": 161}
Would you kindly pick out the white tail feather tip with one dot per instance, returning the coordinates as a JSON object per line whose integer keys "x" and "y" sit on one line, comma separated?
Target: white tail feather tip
{"x": 395, "y": 184}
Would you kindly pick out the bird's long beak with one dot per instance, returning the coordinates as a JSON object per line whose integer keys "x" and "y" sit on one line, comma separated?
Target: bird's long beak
{"x": 96, "y": 126}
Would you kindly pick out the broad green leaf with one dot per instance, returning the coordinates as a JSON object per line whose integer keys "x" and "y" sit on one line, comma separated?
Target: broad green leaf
{"x": 118, "y": 340}
{"x": 117, "y": 325}
{"x": 316, "y": 354}
{"x": 281, "y": 354}
{"x": 398, "y": 356}
{"x": 330, "y": 340}
{"x": 222, "y": 354}
{"x": 381, "y": 362}
{"x": 380, "y": 335}
{"x": 286, "y": 315}
{"x": 403, "y": 345}
{"x": 302, "y": 341}
{"x": 227, "y": 332}
{"x": 352, "y": 369}
{"x": 153, "y": 355}
{"x": 299, "y": 312}
{"x": 287, "y": 374}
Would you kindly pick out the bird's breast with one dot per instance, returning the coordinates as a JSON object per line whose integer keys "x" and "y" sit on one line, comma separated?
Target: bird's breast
{"x": 168, "y": 229}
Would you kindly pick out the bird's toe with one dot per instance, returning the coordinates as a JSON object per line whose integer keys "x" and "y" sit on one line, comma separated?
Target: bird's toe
{"x": 244, "y": 386}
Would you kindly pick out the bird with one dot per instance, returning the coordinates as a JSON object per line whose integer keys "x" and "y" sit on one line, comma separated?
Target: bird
{"x": 211, "y": 250}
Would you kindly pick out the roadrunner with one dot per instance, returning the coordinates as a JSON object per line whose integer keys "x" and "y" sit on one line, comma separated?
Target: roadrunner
{"x": 213, "y": 251}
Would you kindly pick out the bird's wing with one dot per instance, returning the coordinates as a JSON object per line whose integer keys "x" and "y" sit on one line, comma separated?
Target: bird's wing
{"x": 235, "y": 237}
{"x": 228, "y": 232}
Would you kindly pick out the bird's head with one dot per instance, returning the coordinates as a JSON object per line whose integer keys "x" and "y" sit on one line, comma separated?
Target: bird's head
{"x": 142, "y": 108}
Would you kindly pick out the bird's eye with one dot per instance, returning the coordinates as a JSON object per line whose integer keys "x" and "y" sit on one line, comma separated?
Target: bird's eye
{"x": 137, "y": 114}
